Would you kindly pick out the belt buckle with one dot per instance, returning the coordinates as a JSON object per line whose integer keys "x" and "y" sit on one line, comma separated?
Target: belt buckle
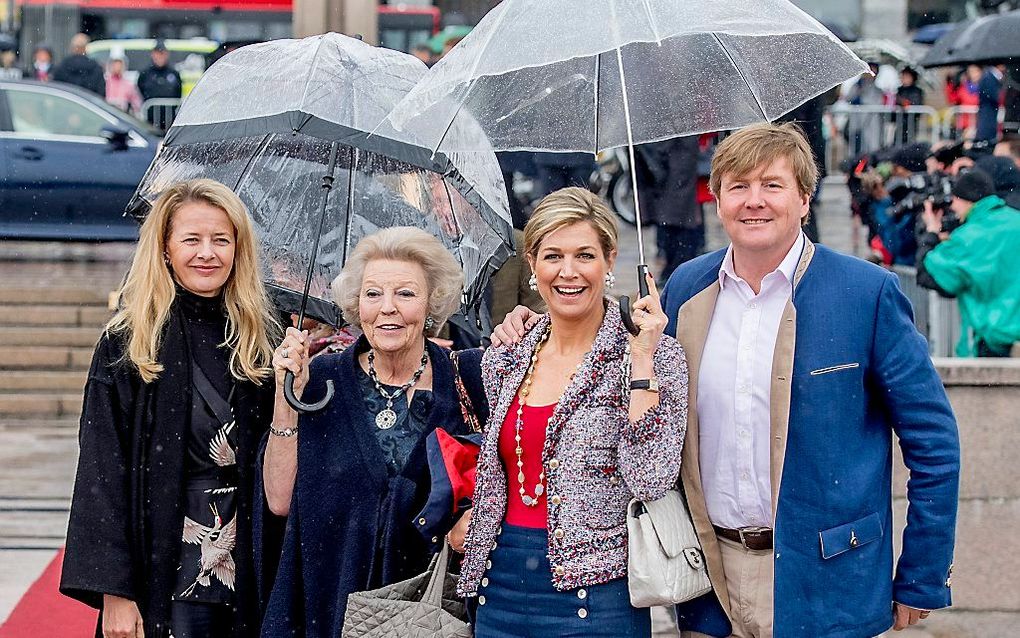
{"x": 742, "y": 531}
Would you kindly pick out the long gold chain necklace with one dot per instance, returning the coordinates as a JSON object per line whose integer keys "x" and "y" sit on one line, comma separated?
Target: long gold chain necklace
{"x": 530, "y": 501}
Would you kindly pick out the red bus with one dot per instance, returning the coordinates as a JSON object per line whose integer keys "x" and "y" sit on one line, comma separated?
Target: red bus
{"x": 55, "y": 21}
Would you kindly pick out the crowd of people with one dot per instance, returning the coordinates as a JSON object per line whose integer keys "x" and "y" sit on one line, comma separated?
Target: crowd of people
{"x": 917, "y": 202}
{"x": 159, "y": 81}
{"x": 204, "y": 505}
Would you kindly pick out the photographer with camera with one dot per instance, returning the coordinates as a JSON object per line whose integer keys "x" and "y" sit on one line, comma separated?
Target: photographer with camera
{"x": 977, "y": 263}
{"x": 900, "y": 200}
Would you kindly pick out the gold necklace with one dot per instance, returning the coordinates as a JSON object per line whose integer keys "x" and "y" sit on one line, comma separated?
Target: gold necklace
{"x": 530, "y": 501}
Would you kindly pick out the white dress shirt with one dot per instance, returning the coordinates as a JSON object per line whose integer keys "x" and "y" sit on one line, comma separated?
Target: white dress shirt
{"x": 734, "y": 388}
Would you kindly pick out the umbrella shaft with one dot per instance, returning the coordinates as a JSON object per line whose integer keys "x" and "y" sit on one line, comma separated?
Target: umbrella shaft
{"x": 327, "y": 185}
{"x": 630, "y": 151}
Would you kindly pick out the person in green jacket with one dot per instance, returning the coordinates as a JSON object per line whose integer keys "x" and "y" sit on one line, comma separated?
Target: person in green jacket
{"x": 978, "y": 263}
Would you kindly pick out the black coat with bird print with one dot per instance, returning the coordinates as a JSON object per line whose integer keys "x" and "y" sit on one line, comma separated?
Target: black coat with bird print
{"x": 127, "y": 525}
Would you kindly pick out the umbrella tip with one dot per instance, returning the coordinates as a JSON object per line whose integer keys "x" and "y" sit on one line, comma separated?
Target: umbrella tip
{"x": 359, "y": 36}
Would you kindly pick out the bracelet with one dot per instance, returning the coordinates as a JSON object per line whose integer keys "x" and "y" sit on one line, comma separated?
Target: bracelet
{"x": 285, "y": 433}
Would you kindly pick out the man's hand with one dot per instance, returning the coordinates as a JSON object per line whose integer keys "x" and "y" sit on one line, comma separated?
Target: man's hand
{"x": 459, "y": 532}
{"x": 932, "y": 218}
{"x": 904, "y": 616}
{"x": 121, "y": 618}
{"x": 515, "y": 325}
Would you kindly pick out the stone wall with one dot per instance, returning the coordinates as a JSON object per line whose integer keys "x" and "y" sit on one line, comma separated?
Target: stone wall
{"x": 985, "y": 394}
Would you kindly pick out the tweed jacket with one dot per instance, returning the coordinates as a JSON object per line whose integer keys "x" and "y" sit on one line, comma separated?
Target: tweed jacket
{"x": 595, "y": 459}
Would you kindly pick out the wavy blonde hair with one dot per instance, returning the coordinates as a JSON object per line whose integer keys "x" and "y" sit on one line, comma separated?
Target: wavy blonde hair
{"x": 568, "y": 206}
{"x": 443, "y": 275}
{"x": 149, "y": 292}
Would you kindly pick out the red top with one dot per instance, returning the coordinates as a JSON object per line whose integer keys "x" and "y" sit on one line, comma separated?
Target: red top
{"x": 535, "y": 420}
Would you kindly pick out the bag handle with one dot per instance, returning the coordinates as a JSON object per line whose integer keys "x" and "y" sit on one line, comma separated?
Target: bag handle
{"x": 434, "y": 592}
{"x": 467, "y": 408}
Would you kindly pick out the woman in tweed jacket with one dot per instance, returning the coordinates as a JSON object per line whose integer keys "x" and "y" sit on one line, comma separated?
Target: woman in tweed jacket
{"x": 570, "y": 440}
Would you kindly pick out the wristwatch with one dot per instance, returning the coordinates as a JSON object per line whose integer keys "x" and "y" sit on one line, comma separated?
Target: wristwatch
{"x": 652, "y": 385}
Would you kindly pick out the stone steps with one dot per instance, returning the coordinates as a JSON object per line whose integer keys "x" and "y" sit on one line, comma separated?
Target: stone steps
{"x": 48, "y": 336}
{"x": 33, "y": 523}
{"x": 46, "y": 381}
{"x": 52, "y": 357}
{"x": 40, "y": 405}
{"x": 56, "y": 315}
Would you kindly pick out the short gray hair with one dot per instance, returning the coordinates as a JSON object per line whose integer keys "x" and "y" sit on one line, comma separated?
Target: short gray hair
{"x": 443, "y": 275}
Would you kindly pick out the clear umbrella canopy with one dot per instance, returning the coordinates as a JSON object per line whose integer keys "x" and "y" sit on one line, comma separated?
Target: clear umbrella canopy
{"x": 540, "y": 75}
{"x": 264, "y": 119}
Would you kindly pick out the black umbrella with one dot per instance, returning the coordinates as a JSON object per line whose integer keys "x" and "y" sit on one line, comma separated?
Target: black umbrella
{"x": 284, "y": 123}
{"x": 985, "y": 40}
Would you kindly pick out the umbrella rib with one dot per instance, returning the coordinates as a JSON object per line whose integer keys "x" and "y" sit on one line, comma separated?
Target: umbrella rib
{"x": 471, "y": 84}
{"x": 598, "y": 74}
{"x": 757, "y": 102}
{"x": 311, "y": 71}
{"x": 651, "y": 22}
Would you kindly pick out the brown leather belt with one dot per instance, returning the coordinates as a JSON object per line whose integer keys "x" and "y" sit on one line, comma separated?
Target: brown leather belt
{"x": 753, "y": 538}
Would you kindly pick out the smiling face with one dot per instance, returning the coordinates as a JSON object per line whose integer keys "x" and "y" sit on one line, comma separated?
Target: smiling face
{"x": 200, "y": 247}
{"x": 393, "y": 304}
{"x": 762, "y": 211}
{"x": 570, "y": 267}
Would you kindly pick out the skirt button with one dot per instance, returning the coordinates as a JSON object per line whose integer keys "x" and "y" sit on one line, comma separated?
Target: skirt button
{"x": 582, "y": 613}
{"x": 582, "y": 594}
{"x": 488, "y": 564}
{"x": 481, "y": 601}
{"x": 485, "y": 582}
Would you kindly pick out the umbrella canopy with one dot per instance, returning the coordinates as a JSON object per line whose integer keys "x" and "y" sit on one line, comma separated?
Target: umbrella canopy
{"x": 265, "y": 119}
{"x": 930, "y": 33}
{"x": 539, "y": 75}
{"x": 985, "y": 40}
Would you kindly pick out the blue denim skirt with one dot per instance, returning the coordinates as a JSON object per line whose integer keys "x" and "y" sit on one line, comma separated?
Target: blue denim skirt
{"x": 516, "y": 598}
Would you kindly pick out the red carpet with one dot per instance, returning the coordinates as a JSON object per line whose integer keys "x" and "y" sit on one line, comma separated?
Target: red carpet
{"x": 43, "y": 612}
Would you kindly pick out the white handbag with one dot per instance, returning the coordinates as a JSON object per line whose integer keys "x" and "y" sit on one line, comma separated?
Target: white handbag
{"x": 665, "y": 564}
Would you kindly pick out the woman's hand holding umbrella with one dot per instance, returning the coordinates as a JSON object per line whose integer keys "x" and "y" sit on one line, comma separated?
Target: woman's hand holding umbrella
{"x": 292, "y": 356}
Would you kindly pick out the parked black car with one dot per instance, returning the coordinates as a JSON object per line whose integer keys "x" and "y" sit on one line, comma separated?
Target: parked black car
{"x": 69, "y": 163}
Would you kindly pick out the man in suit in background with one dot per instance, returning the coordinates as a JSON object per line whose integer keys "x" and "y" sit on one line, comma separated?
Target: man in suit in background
{"x": 803, "y": 363}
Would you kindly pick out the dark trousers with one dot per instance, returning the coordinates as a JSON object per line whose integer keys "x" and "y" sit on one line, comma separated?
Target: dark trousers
{"x": 200, "y": 620}
{"x": 517, "y": 598}
{"x": 677, "y": 245}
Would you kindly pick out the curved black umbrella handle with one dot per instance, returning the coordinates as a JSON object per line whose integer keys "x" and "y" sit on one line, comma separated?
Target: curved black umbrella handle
{"x": 297, "y": 404}
{"x": 625, "y": 311}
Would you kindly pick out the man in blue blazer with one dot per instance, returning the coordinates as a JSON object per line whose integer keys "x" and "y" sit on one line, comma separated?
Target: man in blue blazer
{"x": 803, "y": 364}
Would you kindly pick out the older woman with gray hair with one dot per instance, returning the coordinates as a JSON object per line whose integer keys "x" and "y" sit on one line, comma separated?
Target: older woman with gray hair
{"x": 352, "y": 478}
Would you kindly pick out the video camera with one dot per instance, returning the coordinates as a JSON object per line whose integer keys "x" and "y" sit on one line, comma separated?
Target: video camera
{"x": 910, "y": 193}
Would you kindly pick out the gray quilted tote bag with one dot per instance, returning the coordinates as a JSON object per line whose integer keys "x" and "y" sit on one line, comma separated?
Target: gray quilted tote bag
{"x": 425, "y": 606}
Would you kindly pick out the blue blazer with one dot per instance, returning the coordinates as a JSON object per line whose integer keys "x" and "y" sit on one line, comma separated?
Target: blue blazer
{"x": 850, "y": 370}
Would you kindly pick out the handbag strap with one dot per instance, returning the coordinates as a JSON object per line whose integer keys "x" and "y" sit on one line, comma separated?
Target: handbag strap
{"x": 434, "y": 592}
{"x": 467, "y": 408}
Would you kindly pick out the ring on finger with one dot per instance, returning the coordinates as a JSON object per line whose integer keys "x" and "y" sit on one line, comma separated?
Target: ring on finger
{"x": 285, "y": 353}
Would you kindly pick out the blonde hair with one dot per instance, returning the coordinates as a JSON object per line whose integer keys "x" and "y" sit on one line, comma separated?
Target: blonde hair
{"x": 443, "y": 275}
{"x": 761, "y": 144}
{"x": 568, "y": 206}
{"x": 149, "y": 292}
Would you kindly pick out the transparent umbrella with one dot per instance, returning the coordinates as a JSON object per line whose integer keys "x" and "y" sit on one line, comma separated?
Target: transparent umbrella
{"x": 576, "y": 75}
{"x": 285, "y": 122}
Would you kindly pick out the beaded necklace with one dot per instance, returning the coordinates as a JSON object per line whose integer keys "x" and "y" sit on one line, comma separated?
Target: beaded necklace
{"x": 388, "y": 418}
{"x": 530, "y": 501}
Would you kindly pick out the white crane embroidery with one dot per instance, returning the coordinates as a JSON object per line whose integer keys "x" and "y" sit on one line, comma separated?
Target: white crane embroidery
{"x": 217, "y": 543}
{"x": 220, "y": 450}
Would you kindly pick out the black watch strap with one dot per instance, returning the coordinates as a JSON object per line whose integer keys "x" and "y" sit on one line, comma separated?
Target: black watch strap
{"x": 652, "y": 385}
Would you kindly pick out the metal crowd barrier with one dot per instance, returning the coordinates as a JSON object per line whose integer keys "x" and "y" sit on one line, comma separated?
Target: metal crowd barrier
{"x": 160, "y": 112}
{"x": 936, "y": 317}
{"x": 857, "y": 129}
